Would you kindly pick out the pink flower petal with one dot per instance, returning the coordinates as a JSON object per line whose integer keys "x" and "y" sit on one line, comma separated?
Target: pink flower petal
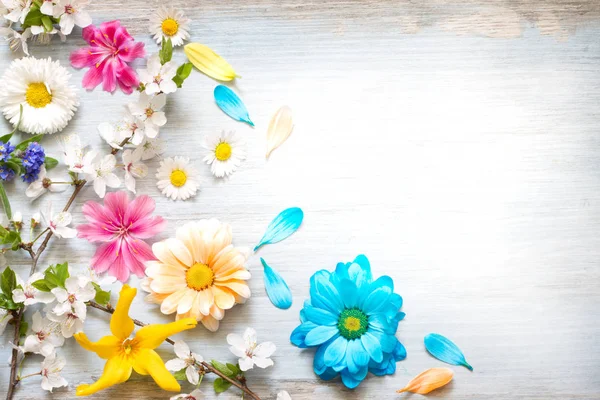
{"x": 94, "y": 232}
{"x": 93, "y": 77}
{"x": 135, "y": 254}
{"x": 109, "y": 75}
{"x": 105, "y": 256}
{"x": 94, "y": 212}
{"x": 141, "y": 207}
{"x": 136, "y": 50}
{"x": 88, "y": 33}
{"x": 127, "y": 75}
{"x": 82, "y": 58}
{"x": 116, "y": 205}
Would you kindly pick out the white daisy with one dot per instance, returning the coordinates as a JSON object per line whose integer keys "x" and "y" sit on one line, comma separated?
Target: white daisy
{"x": 168, "y": 23}
{"x": 177, "y": 179}
{"x": 226, "y": 153}
{"x": 41, "y": 86}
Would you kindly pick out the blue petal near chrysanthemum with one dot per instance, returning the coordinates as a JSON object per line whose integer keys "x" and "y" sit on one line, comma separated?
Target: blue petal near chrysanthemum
{"x": 352, "y": 320}
{"x": 278, "y": 291}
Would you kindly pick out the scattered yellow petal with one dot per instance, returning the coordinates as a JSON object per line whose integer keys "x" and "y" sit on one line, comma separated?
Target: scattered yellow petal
{"x": 429, "y": 380}
{"x": 280, "y": 128}
{"x": 209, "y": 62}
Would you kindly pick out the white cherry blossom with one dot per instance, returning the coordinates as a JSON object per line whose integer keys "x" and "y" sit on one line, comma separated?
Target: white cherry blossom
{"x": 250, "y": 353}
{"x": 29, "y": 295}
{"x": 185, "y": 359}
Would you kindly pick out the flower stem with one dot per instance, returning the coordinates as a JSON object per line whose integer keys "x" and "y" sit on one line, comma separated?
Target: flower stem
{"x": 39, "y": 236}
{"x": 30, "y": 375}
{"x": 206, "y": 366}
{"x": 122, "y": 144}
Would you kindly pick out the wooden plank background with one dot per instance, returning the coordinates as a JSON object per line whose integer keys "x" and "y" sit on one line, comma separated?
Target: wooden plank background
{"x": 454, "y": 143}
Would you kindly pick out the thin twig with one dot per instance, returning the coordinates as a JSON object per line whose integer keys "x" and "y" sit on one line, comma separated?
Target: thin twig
{"x": 207, "y": 367}
{"x": 121, "y": 145}
{"x": 18, "y": 317}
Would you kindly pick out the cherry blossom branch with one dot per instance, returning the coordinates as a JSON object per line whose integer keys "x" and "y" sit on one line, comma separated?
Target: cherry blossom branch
{"x": 121, "y": 145}
{"x": 205, "y": 367}
{"x": 18, "y": 316}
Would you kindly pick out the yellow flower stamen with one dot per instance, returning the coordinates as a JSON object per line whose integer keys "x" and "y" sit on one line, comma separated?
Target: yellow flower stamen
{"x": 169, "y": 27}
{"x": 178, "y": 178}
{"x": 199, "y": 277}
{"x": 37, "y": 95}
{"x": 223, "y": 151}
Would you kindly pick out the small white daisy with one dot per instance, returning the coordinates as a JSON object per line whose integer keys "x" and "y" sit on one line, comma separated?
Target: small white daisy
{"x": 226, "y": 153}
{"x": 42, "y": 87}
{"x": 169, "y": 23}
{"x": 177, "y": 179}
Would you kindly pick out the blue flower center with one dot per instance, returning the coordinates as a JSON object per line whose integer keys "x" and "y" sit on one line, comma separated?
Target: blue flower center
{"x": 353, "y": 323}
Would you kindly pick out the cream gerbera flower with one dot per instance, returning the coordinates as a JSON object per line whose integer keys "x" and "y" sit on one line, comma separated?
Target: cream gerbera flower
{"x": 226, "y": 153}
{"x": 169, "y": 23}
{"x": 42, "y": 87}
{"x": 177, "y": 179}
{"x": 199, "y": 274}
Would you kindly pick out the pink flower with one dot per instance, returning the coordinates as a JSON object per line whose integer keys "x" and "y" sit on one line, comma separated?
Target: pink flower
{"x": 111, "y": 50}
{"x": 121, "y": 225}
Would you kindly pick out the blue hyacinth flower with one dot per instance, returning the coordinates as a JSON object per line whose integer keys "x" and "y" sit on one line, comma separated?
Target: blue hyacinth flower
{"x": 352, "y": 320}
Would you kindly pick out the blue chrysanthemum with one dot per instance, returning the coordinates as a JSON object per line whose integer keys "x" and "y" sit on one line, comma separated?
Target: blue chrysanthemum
{"x": 352, "y": 320}
{"x": 32, "y": 160}
{"x": 5, "y": 150}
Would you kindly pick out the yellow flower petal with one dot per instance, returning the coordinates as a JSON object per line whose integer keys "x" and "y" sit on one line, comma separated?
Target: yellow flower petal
{"x": 209, "y": 62}
{"x": 116, "y": 370}
{"x": 120, "y": 324}
{"x": 151, "y": 336}
{"x": 106, "y": 347}
{"x": 148, "y": 362}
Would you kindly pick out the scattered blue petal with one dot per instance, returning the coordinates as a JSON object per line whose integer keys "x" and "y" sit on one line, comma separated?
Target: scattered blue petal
{"x": 445, "y": 350}
{"x": 231, "y": 104}
{"x": 286, "y": 223}
{"x": 278, "y": 291}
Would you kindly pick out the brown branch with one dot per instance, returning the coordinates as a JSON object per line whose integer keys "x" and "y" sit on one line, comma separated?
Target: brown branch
{"x": 18, "y": 317}
{"x": 123, "y": 143}
{"x": 240, "y": 384}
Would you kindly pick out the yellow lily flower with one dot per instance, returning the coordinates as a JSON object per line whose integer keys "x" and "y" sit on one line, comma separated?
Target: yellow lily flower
{"x": 125, "y": 354}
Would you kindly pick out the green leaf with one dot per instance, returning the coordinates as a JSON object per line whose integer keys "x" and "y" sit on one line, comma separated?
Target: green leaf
{"x": 11, "y": 237}
{"x": 47, "y": 22}
{"x": 183, "y": 72}
{"x": 221, "y": 385}
{"x": 221, "y": 368}
{"x": 180, "y": 375}
{"x": 23, "y": 328}
{"x": 234, "y": 369}
{"x": 50, "y": 162}
{"x": 41, "y": 285}
{"x": 102, "y": 296}
{"x": 14, "y": 166}
{"x": 34, "y": 17}
{"x": 6, "y": 138}
{"x": 5, "y": 202}
{"x": 8, "y": 282}
{"x": 62, "y": 273}
{"x": 166, "y": 52}
{"x": 23, "y": 145}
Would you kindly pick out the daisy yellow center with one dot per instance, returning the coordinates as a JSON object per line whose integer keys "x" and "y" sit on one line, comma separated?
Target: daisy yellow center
{"x": 199, "y": 276}
{"x": 37, "y": 95}
{"x": 353, "y": 323}
{"x": 223, "y": 151}
{"x": 169, "y": 27}
{"x": 178, "y": 178}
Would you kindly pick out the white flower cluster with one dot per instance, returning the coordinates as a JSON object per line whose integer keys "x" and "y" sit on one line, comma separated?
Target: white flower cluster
{"x": 40, "y": 20}
{"x": 62, "y": 316}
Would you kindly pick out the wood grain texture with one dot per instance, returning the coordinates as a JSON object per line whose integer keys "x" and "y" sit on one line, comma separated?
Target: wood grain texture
{"x": 454, "y": 143}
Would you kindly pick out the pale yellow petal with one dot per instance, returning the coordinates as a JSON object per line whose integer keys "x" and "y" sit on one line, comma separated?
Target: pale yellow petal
{"x": 216, "y": 312}
{"x": 163, "y": 253}
{"x": 169, "y": 305}
{"x": 168, "y": 284}
{"x": 180, "y": 251}
{"x": 224, "y": 299}
{"x": 239, "y": 287}
{"x": 205, "y": 301}
{"x": 210, "y": 323}
{"x": 280, "y": 128}
{"x": 209, "y": 62}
